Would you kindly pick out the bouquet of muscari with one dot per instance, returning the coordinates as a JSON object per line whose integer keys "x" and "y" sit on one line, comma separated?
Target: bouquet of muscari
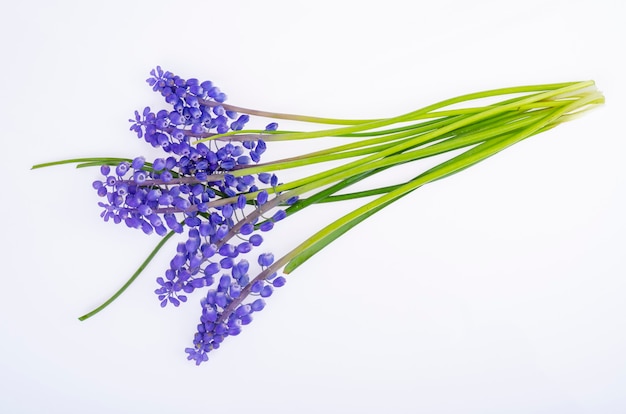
{"x": 211, "y": 186}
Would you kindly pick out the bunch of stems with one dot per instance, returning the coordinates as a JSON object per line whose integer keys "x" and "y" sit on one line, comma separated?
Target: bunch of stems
{"x": 459, "y": 126}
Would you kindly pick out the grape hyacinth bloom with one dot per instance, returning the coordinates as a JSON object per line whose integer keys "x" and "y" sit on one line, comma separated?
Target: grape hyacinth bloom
{"x": 184, "y": 190}
{"x": 207, "y": 185}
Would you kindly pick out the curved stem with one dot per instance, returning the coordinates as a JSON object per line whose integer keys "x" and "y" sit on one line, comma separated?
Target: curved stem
{"x": 291, "y": 117}
{"x": 99, "y": 160}
{"x": 131, "y": 280}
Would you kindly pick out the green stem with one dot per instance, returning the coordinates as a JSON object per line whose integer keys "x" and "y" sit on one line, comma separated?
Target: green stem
{"x": 549, "y": 91}
{"x": 326, "y": 197}
{"x": 131, "y": 280}
{"x": 289, "y": 117}
{"x": 94, "y": 161}
{"x": 366, "y": 147}
{"x": 369, "y": 162}
{"x": 477, "y": 121}
{"x": 464, "y": 121}
{"x": 331, "y": 232}
{"x": 423, "y": 113}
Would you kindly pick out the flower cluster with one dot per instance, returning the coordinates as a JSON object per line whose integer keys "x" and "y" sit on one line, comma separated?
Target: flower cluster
{"x": 193, "y": 188}
{"x": 209, "y": 187}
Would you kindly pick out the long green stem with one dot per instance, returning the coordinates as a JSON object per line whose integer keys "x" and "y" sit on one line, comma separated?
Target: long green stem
{"x": 131, "y": 280}
{"x": 289, "y": 117}
{"x": 338, "y": 173}
{"x": 476, "y": 120}
{"x": 465, "y": 121}
{"x": 344, "y": 151}
{"x": 359, "y": 125}
{"x": 97, "y": 160}
{"x": 329, "y": 233}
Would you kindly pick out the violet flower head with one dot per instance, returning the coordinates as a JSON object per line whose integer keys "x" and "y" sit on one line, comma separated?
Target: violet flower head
{"x": 192, "y": 188}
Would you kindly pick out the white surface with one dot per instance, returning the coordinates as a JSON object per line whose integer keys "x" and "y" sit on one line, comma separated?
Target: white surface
{"x": 498, "y": 290}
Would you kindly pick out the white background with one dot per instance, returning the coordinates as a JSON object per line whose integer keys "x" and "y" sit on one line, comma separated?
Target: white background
{"x": 498, "y": 290}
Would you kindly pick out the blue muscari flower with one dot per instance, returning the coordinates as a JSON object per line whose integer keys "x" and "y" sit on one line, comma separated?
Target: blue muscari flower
{"x": 180, "y": 191}
{"x": 196, "y": 111}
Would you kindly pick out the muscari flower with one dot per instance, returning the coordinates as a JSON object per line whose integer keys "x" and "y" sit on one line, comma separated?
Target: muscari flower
{"x": 210, "y": 186}
{"x": 184, "y": 191}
